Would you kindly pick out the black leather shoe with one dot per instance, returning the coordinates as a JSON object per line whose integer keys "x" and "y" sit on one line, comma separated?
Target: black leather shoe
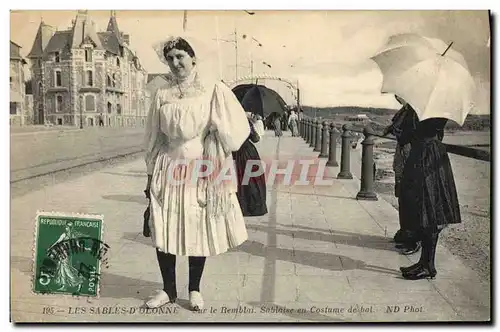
{"x": 409, "y": 251}
{"x": 410, "y": 268}
{"x": 420, "y": 273}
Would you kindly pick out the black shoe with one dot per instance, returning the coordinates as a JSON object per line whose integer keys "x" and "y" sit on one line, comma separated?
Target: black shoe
{"x": 412, "y": 250}
{"x": 420, "y": 273}
{"x": 411, "y": 268}
{"x": 398, "y": 237}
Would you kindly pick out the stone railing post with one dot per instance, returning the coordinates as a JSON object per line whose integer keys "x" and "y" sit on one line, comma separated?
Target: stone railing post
{"x": 313, "y": 135}
{"x": 324, "y": 141}
{"x": 303, "y": 128}
{"x": 345, "y": 157}
{"x": 366, "y": 191}
{"x": 306, "y": 137}
{"x": 317, "y": 143}
{"x": 332, "y": 156}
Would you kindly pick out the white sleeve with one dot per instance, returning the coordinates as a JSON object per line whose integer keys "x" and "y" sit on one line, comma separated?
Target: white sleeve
{"x": 229, "y": 118}
{"x": 153, "y": 138}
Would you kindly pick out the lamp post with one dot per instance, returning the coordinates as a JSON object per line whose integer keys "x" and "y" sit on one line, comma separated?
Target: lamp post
{"x": 251, "y": 53}
{"x": 184, "y": 21}
{"x": 235, "y": 42}
{"x": 81, "y": 112}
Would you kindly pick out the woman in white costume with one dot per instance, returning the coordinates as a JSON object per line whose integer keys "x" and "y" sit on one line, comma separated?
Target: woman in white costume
{"x": 191, "y": 119}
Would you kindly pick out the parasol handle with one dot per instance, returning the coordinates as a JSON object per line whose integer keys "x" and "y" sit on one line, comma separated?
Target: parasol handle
{"x": 449, "y": 46}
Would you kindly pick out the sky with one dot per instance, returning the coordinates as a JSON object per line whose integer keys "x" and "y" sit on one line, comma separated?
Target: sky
{"x": 328, "y": 52}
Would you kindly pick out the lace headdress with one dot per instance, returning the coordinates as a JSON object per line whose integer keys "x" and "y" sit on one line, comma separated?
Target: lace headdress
{"x": 204, "y": 52}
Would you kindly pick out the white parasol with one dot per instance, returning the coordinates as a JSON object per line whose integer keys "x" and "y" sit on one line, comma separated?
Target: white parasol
{"x": 428, "y": 74}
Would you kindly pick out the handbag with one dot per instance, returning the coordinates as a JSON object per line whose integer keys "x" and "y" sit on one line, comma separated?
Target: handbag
{"x": 146, "y": 231}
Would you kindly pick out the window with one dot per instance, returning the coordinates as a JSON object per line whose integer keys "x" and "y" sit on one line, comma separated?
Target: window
{"x": 89, "y": 103}
{"x": 59, "y": 103}
{"x": 110, "y": 107}
{"x": 90, "y": 78}
{"x": 88, "y": 55}
{"x": 114, "y": 80}
{"x": 118, "y": 61}
{"x": 118, "y": 109}
{"x": 57, "y": 57}
{"x": 13, "y": 108}
{"x": 11, "y": 80}
{"x": 109, "y": 80}
{"x": 58, "y": 78}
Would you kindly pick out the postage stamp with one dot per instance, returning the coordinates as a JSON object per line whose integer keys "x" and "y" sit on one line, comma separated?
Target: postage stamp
{"x": 68, "y": 254}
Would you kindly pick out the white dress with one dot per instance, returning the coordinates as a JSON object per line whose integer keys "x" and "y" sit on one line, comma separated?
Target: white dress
{"x": 176, "y": 129}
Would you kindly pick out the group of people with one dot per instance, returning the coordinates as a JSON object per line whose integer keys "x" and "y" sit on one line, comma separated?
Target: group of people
{"x": 286, "y": 120}
{"x": 425, "y": 187}
{"x": 193, "y": 118}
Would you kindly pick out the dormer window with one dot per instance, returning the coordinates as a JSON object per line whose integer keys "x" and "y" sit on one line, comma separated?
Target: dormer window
{"x": 57, "y": 57}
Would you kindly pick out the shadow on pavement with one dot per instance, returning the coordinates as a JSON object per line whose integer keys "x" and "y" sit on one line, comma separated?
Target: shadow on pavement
{"x": 137, "y": 237}
{"x": 318, "y": 260}
{"x": 135, "y": 174}
{"x": 325, "y": 235}
{"x": 140, "y": 199}
{"x": 313, "y": 194}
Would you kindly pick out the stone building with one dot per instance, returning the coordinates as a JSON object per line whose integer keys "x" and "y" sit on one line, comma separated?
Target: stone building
{"x": 83, "y": 77}
{"x": 18, "y": 108}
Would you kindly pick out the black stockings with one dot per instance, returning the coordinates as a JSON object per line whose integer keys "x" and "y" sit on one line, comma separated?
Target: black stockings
{"x": 167, "y": 268}
{"x": 429, "y": 244}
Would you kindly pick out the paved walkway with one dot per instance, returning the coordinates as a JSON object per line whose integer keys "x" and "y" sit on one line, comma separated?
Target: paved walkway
{"x": 319, "y": 255}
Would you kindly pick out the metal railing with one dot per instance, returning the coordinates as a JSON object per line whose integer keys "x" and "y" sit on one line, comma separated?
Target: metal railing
{"x": 323, "y": 137}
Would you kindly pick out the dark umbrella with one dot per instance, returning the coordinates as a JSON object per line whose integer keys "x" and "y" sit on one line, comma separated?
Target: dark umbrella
{"x": 260, "y": 100}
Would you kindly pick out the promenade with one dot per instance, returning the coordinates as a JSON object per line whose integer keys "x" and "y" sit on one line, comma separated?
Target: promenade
{"x": 319, "y": 255}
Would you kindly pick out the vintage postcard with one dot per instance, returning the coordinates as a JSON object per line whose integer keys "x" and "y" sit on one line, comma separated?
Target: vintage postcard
{"x": 250, "y": 166}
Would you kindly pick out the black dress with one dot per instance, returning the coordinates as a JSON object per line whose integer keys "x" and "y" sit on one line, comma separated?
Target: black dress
{"x": 251, "y": 195}
{"x": 428, "y": 193}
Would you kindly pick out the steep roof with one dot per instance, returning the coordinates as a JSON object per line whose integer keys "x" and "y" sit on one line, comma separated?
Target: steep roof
{"x": 113, "y": 28}
{"x": 83, "y": 31}
{"x": 59, "y": 41}
{"x": 42, "y": 38}
{"x": 109, "y": 42}
{"x": 15, "y": 51}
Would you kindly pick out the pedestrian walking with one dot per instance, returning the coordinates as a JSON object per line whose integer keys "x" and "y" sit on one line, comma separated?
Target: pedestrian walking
{"x": 191, "y": 118}
{"x": 277, "y": 125}
{"x": 259, "y": 126}
{"x": 101, "y": 120}
{"x": 293, "y": 123}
